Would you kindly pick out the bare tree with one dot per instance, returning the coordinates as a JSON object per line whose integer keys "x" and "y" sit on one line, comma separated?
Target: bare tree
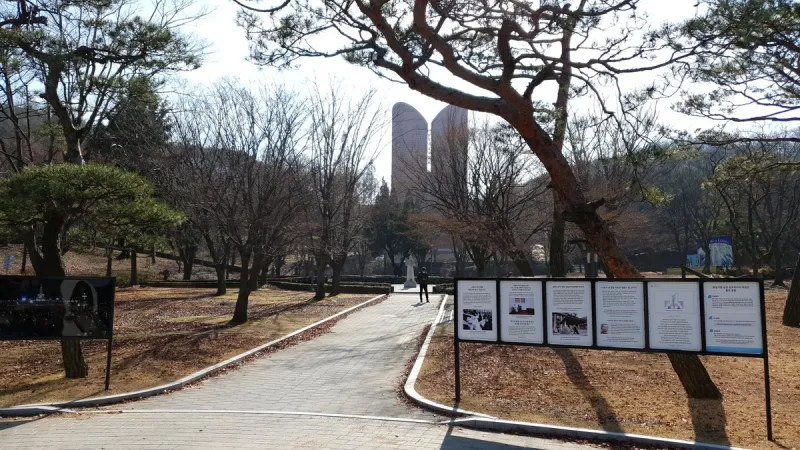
{"x": 485, "y": 189}
{"x": 341, "y": 148}
{"x": 241, "y": 150}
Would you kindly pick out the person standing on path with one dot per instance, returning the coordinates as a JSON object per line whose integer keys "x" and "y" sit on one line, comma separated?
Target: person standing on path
{"x": 422, "y": 279}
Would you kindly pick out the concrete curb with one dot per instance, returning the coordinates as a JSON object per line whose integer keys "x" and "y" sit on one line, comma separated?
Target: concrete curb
{"x": 580, "y": 433}
{"x": 412, "y": 393}
{"x": 484, "y": 422}
{"x": 61, "y": 407}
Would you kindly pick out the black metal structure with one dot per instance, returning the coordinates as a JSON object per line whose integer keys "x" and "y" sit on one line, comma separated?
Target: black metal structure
{"x": 594, "y": 328}
{"x": 58, "y": 308}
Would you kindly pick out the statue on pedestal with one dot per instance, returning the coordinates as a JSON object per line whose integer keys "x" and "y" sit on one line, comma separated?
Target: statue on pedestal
{"x": 410, "y": 283}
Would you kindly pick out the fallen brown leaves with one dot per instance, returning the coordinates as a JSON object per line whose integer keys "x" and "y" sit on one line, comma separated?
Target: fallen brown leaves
{"x": 162, "y": 335}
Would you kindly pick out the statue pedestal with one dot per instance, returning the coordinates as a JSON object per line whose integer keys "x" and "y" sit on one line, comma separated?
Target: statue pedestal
{"x": 410, "y": 283}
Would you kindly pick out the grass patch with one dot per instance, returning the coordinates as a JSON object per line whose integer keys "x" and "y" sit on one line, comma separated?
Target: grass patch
{"x": 160, "y": 335}
{"x": 625, "y": 391}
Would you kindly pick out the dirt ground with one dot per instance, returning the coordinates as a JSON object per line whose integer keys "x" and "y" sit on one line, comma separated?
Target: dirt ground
{"x": 626, "y": 391}
{"x": 160, "y": 335}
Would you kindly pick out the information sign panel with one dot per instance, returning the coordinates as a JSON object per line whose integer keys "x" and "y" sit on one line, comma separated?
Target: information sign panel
{"x": 569, "y": 313}
{"x": 521, "y": 311}
{"x": 733, "y": 317}
{"x": 674, "y": 315}
{"x": 477, "y": 310}
{"x": 620, "y": 314}
{"x": 56, "y": 308}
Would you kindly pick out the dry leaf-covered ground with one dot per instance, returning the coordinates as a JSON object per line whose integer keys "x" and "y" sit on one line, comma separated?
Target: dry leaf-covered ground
{"x": 625, "y": 391}
{"x": 160, "y": 335}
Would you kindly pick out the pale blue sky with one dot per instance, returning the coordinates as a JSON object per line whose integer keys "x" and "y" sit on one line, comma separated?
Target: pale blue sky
{"x": 229, "y": 50}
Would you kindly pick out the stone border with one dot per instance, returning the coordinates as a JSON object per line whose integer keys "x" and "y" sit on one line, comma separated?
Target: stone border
{"x": 412, "y": 393}
{"x": 62, "y": 407}
{"x": 470, "y": 419}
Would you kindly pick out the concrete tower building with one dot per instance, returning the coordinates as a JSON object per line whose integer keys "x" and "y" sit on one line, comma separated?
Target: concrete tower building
{"x": 409, "y": 148}
{"x": 450, "y": 142}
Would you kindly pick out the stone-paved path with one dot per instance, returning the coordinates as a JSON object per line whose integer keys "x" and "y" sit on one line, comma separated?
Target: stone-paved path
{"x": 355, "y": 369}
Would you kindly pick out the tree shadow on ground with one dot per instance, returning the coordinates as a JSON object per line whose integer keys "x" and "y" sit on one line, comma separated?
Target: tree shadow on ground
{"x": 602, "y": 409}
{"x": 708, "y": 421}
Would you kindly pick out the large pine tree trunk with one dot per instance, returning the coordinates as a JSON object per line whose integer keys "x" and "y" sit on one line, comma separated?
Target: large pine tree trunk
{"x": 75, "y": 365}
{"x": 49, "y": 263}
{"x": 791, "y": 311}
{"x": 242, "y": 300}
{"x": 601, "y": 239}
{"x": 694, "y": 377}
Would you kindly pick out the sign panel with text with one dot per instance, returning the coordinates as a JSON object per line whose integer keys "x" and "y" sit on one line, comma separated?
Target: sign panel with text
{"x": 569, "y": 313}
{"x": 521, "y": 311}
{"x": 733, "y": 317}
{"x": 477, "y": 310}
{"x": 620, "y": 314}
{"x": 674, "y": 316}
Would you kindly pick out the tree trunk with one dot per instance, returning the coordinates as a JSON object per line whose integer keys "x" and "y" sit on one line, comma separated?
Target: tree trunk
{"x": 791, "y": 311}
{"x": 522, "y": 263}
{"x": 134, "y": 270}
{"x": 707, "y": 265}
{"x": 258, "y": 259}
{"x": 188, "y": 255}
{"x": 109, "y": 261}
{"x": 319, "y": 271}
{"x": 694, "y": 376}
{"x": 242, "y": 300}
{"x": 24, "y": 258}
{"x": 75, "y": 365}
{"x": 556, "y": 264}
{"x": 337, "y": 265}
{"x": 779, "y": 278}
{"x": 153, "y": 256}
{"x": 222, "y": 287}
{"x": 336, "y": 280}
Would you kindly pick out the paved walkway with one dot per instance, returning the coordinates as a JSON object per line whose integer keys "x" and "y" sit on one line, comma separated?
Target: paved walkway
{"x": 355, "y": 369}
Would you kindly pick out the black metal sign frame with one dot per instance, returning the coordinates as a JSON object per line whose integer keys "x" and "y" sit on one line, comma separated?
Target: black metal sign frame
{"x": 764, "y": 355}
{"x": 110, "y": 338}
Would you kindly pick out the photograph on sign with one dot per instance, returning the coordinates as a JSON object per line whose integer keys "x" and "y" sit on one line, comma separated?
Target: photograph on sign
{"x": 620, "y": 314}
{"x": 733, "y": 317}
{"x": 521, "y": 311}
{"x": 52, "y": 308}
{"x": 569, "y": 311}
{"x": 674, "y": 315}
{"x": 477, "y": 315}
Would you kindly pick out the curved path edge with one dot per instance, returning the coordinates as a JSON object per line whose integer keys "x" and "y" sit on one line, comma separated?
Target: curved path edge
{"x": 474, "y": 420}
{"x": 64, "y": 407}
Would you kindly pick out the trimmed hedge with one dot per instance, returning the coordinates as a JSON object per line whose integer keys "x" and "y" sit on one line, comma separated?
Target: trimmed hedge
{"x": 448, "y": 289}
{"x": 344, "y": 288}
{"x": 189, "y": 284}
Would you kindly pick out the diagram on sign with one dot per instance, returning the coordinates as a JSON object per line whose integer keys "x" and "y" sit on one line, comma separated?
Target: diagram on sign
{"x": 673, "y": 304}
